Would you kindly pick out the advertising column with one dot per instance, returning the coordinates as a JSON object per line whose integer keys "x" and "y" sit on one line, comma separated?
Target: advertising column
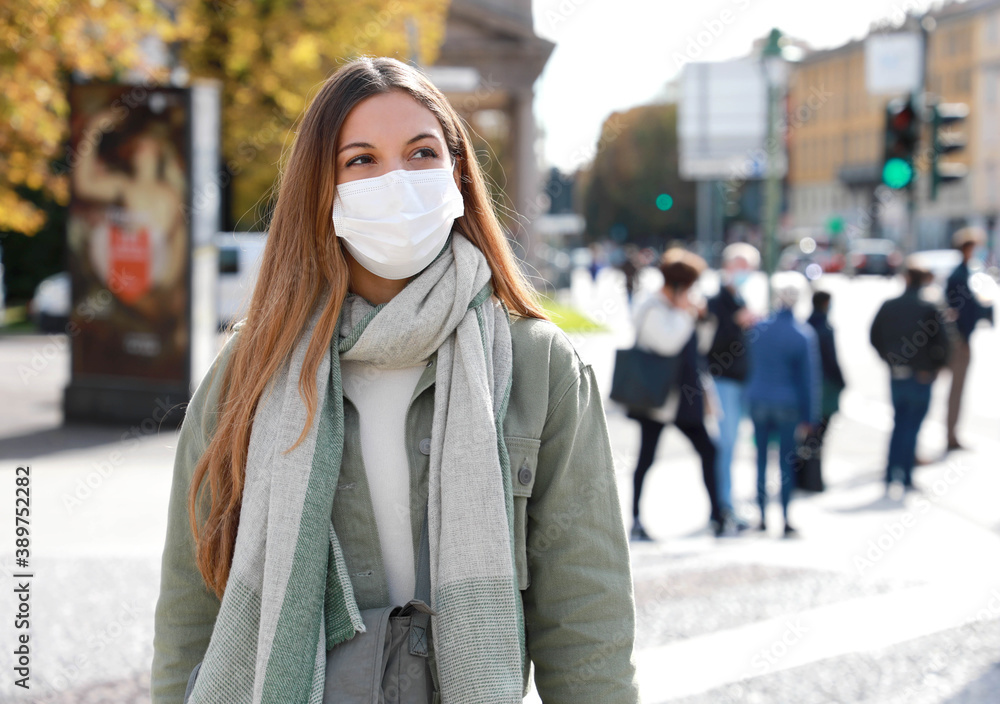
{"x": 129, "y": 246}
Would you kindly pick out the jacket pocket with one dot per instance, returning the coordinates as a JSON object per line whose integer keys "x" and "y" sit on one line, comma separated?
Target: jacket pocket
{"x": 523, "y": 454}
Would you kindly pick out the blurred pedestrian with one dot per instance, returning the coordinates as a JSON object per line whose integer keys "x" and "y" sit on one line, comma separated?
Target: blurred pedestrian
{"x": 630, "y": 267}
{"x": 665, "y": 324}
{"x": 727, "y": 360}
{"x": 909, "y": 334}
{"x": 783, "y": 388}
{"x": 808, "y": 469}
{"x": 596, "y": 261}
{"x": 966, "y": 311}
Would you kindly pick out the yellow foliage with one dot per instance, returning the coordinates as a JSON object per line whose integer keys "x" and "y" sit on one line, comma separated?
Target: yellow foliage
{"x": 43, "y": 40}
{"x": 271, "y": 55}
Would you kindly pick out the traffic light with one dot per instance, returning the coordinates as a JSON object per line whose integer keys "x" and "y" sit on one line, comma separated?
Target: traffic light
{"x": 902, "y": 133}
{"x": 946, "y": 141}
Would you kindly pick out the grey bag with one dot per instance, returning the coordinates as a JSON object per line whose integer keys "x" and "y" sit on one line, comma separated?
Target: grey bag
{"x": 390, "y": 662}
{"x": 387, "y": 664}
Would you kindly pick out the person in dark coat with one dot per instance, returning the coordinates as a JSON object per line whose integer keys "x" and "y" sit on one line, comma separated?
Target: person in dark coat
{"x": 808, "y": 469}
{"x": 783, "y": 388}
{"x": 630, "y": 268}
{"x": 909, "y": 334}
{"x": 967, "y": 312}
{"x": 727, "y": 360}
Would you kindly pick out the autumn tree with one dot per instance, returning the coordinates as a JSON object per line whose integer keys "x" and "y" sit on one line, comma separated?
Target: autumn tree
{"x": 633, "y": 186}
{"x": 272, "y": 56}
{"x": 43, "y": 42}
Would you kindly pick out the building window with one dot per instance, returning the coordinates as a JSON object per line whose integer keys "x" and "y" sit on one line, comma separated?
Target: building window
{"x": 992, "y": 187}
{"x": 963, "y": 81}
{"x": 990, "y": 79}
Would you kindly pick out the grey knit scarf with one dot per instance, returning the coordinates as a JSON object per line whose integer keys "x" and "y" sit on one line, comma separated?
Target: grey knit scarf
{"x": 289, "y": 597}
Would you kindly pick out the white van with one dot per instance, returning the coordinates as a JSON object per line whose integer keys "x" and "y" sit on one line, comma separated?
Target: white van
{"x": 239, "y": 262}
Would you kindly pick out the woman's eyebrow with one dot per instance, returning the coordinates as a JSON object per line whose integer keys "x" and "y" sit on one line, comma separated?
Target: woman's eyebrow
{"x": 423, "y": 135}
{"x": 361, "y": 145}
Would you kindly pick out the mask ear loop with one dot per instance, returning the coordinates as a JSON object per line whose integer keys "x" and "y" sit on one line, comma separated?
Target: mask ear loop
{"x": 459, "y": 177}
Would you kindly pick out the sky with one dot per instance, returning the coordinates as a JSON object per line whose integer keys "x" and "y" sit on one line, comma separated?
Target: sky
{"x": 615, "y": 54}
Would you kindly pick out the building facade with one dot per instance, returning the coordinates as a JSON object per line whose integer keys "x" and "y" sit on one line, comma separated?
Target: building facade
{"x": 835, "y": 135}
{"x": 487, "y": 67}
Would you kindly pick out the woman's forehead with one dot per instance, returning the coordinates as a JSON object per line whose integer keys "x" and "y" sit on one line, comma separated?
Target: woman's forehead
{"x": 388, "y": 118}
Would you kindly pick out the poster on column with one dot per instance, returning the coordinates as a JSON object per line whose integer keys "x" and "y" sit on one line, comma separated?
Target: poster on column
{"x": 128, "y": 236}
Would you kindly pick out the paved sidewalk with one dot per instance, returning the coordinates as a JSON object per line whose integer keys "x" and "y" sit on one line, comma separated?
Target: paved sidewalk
{"x": 881, "y": 600}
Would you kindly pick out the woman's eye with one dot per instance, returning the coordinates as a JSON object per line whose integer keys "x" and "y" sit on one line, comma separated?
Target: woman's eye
{"x": 425, "y": 153}
{"x": 360, "y": 159}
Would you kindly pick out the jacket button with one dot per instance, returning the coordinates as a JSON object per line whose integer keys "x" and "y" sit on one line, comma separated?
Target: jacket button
{"x": 524, "y": 475}
{"x": 425, "y": 446}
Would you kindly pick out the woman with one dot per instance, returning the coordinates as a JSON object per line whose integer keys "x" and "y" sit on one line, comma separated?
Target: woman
{"x": 393, "y": 364}
{"x": 665, "y": 324}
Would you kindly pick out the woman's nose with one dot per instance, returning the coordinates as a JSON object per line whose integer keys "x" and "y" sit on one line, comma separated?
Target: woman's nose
{"x": 392, "y": 164}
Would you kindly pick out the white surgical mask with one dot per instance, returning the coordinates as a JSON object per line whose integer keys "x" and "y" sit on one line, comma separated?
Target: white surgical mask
{"x": 394, "y": 225}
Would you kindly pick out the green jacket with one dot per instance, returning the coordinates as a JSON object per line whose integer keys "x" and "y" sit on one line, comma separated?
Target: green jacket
{"x": 572, "y": 555}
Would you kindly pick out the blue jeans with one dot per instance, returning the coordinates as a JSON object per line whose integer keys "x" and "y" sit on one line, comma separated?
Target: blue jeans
{"x": 910, "y": 401}
{"x": 768, "y": 419}
{"x": 732, "y": 398}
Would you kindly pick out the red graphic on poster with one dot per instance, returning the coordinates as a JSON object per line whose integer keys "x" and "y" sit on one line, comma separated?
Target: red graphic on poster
{"x": 130, "y": 263}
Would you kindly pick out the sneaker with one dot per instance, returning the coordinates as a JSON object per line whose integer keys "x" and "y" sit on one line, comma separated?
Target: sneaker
{"x": 790, "y": 532}
{"x": 639, "y": 534}
{"x": 727, "y": 529}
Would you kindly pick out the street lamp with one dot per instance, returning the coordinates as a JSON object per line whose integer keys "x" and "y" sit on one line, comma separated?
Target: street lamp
{"x": 776, "y": 76}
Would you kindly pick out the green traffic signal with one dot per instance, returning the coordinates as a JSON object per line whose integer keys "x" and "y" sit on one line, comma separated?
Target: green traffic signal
{"x": 664, "y": 202}
{"x": 897, "y": 173}
{"x": 902, "y": 137}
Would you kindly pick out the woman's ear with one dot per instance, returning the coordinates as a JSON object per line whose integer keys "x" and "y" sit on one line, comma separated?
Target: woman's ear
{"x": 456, "y": 171}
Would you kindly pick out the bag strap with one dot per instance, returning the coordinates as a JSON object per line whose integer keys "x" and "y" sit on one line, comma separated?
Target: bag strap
{"x": 423, "y": 590}
{"x": 420, "y": 622}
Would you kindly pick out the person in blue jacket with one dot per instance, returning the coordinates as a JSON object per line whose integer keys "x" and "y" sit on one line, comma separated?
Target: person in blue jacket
{"x": 783, "y": 388}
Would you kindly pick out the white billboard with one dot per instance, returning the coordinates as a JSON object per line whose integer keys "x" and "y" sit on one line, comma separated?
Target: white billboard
{"x": 722, "y": 121}
{"x": 893, "y": 63}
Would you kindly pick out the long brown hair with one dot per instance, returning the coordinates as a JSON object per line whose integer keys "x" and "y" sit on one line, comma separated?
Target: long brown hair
{"x": 303, "y": 267}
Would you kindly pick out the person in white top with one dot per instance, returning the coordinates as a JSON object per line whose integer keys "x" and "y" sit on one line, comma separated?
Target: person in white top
{"x": 665, "y": 324}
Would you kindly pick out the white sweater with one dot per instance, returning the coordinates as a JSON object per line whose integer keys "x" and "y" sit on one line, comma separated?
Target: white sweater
{"x": 663, "y": 329}
{"x": 382, "y": 397}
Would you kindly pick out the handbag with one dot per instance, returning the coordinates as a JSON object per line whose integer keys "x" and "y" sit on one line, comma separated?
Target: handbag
{"x": 391, "y": 662}
{"x": 642, "y": 380}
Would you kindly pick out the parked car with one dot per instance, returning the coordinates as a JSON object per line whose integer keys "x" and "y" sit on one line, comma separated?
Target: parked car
{"x": 873, "y": 255}
{"x": 49, "y": 307}
{"x": 239, "y": 263}
{"x": 811, "y": 258}
{"x": 941, "y": 262}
